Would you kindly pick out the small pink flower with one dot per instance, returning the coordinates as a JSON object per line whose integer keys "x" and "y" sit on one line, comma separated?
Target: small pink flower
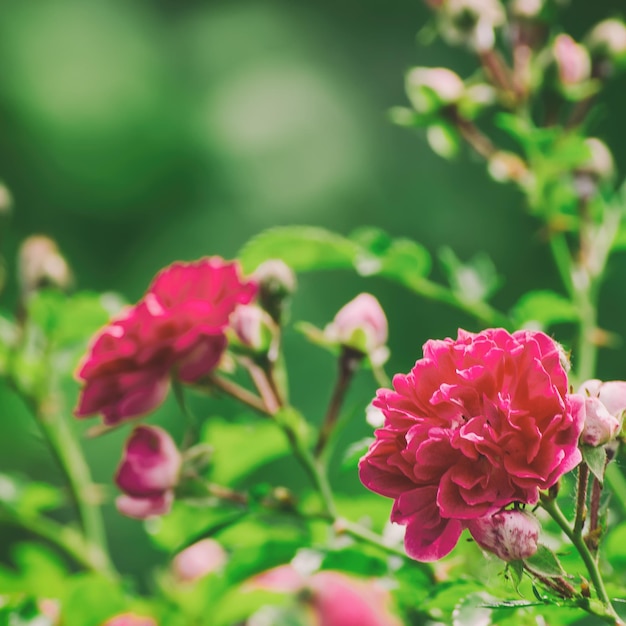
{"x": 130, "y": 619}
{"x": 510, "y": 535}
{"x": 362, "y": 325}
{"x": 253, "y": 327}
{"x": 198, "y": 560}
{"x": 479, "y": 423}
{"x": 148, "y": 473}
{"x": 178, "y": 326}
{"x": 605, "y": 404}
{"x": 333, "y": 598}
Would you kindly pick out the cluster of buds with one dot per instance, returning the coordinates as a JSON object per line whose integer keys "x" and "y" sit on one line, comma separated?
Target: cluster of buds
{"x": 148, "y": 473}
{"x": 605, "y": 403}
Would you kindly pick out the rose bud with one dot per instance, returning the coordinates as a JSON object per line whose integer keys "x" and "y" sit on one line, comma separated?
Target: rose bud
{"x": 430, "y": 88}
{"x": 198, "y": 560}
{"x": 253, "y": 328}
{"x": 510, "y": 535}
{"x": 361, "y": 325}
{"x": 151, "y": 463}
{"x": 572, "y": 60}
{"x": 604, "y": 409}
{"x": 41, "y": 264}
{"x": 607, "y": 42}
{"x": 276, "y": 281}
{"x": 130, "y": 619}
{"x": 143, "y": 508}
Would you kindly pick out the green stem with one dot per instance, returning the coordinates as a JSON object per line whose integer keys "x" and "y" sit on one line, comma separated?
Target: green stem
{"x": 614, "y": 477}
{"x": 552, "y": 508}
{"x": 191, "y": 432}
{"x": 63, "y": 537}
{"x": 563, "y": 260}
{"x": 70, "y": 456}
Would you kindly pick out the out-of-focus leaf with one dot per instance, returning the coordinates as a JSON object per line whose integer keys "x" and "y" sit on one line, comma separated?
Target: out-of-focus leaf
{"x": 615, "y": 547}
{"x": 28, "y": 498}
{"x": 516, "y": 571}
{"x": 303, "y": 248}
{"x": 473, "y": 281}
{"x": 405, "y": 261}
{"x": 543, "y": 308}
{"x": 354, "y": 453}
{"x": 360, "y": 560}
{"x": 241, "y": 447}
{"x": 90, "y": 599}
{"x": 444, "y": 139}
{"x": 471, "y": 610}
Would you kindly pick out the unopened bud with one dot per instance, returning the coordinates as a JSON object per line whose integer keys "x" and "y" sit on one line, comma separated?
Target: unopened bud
{"x": 510, "y": 535}
{"x": 199, "y": 560}
{"x": 41, "y": 264}
{"x": 507, "y": 166}
{"x": 144, "y": 508}
{"x": 526, "y": 9}
{"x": 253, "y": 327}
{"x": 605, "y": 404}
{"x": 471, "y": 22}
{"x": 572, "y": 60}
{"x": 607, "y": 41}
{"x": 361, "y": 325}
{"x": 600, "y": 163}
{"x": 6, "y": 200}
{"x": 277, "y": 281}
{"x": 430, "y": 88}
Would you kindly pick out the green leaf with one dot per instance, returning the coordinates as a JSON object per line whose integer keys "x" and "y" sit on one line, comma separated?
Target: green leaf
{"x": 543, "y": 308}
{"x": 471, "y": 610}
{"x": 444, "y": 139}
{"x": 516, "y": 570}
{"x": 303, "y": 248}
{"x": 405, "y": 261}
{"x": 545, "y": 563}
{"x": 473, "y": 281}
{"x": 354, "y": 453}
{"x": 595, "y": 458}
{"x": 258, "y": 441}
{"x": 28, "y": 498}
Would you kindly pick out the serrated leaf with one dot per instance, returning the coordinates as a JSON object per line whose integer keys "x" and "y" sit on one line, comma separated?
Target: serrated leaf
{"x": 471, "y": 610}
{"x": 595, "y": 458}
{"x": 303, "y": 248}
{"x": 545, "y": 563}
{"x": 543, "y": 308}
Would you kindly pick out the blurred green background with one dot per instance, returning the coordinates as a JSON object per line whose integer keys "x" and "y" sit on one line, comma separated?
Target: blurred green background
{"x": 140, "y": 132}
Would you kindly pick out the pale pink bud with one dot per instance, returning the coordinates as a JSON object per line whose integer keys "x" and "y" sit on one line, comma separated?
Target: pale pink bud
{"x": 572, "y": 60}
{"x": 600, "y": 163}
{"x": 198, "y": 560}
{"x": 143, "y": 508}
{"x": 430, "y": 88}
{"x": 130, "y": 619}
{"x": 605, "y": 404}
{"x": 526, "y": 9}
{"x": 608, "y": 39}
{"x": 506, "y": 166}
{"x": 510, "y": 535}
{"x": 253, "y": 327}
{"x": 361, "y": 325}
{"x": 42, "y": 264}
{"x": 471, "y": 22}
{"x": 150, "y": 464}
{"x": 275, "y": 276}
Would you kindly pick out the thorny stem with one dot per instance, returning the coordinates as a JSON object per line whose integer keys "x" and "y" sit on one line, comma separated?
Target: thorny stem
{"x": 581, "y": 497}
{"x": 594, "y": 517}
{"x": 552, "y": 508}
{"x": 349, "y": 361}
{"x": 559, "y": 585}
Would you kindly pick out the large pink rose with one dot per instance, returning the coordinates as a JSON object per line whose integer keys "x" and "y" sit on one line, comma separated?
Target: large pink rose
{"x": 177, "y": 327}
{"x": 477, "y": 424}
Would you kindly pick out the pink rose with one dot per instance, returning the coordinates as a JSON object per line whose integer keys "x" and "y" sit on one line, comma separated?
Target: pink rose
{"x": 198, "y": 560}
{"x": 605, "y": 404}
{"x": 148, "y": 473}
{"x": 333, "y": 599}
{"x": 130, "y": 619}
{"x": 362, "y": 325}
{"x": 510, "y": 535}
{"x": 479, "y": 423}
{"x": 572, "y": 60}
{"x": 178, "y": 326}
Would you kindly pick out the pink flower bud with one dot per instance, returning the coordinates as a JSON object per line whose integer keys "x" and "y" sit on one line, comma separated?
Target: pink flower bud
{"x": 430, "y": 88}
{"x": 130, "y": 619}
{"x": 361, "y": 324}
{"x": 608, "y": 39}
{"x": 253, "y": 327}
{"x": 605, "y": 404}
{"x": 572, "y": 60}
{"x": 150, "y": 465}
{"x": 276, "y": 277}
{"x": 198, "y": 560}
{"x": 41, "y": 264}
{"x": 143, "y": 508}
{"x": 510, "y": 535}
